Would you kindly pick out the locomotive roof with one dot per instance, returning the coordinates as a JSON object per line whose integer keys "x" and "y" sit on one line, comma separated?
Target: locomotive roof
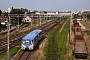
{"x": 32, "y": 35}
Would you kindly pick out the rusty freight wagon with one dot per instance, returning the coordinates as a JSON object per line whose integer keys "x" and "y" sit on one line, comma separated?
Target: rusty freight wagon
{"x": 80, "y": 50}
{"x": 78, "y": 37}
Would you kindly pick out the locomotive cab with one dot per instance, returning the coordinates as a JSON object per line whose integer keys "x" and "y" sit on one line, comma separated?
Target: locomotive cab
{"x": 27, "y": 45}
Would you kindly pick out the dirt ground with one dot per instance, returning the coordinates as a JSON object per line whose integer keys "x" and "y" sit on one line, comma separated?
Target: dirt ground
{"x": 70, "y": 48}
{"x": 38, "y": 54}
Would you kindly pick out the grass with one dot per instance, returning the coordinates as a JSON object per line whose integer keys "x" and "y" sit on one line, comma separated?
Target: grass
{"x": 15, "y": 33}
{"x": 13, "y": 51}
{"x": 61, "y": 39}
{"x": 88, "y": 32}
{"x": 49, "y": 52}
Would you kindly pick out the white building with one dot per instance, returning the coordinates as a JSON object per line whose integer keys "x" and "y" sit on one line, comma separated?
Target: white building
{"x": 27, "y": 19}
{"x": 9, "y": 10}
{"x": 85, "y": 11}
{"x": 37, "y": 12}
{"x": 51, "y": 13}
{"x": 65, "y": 13}
{"x": 57, "y": 12}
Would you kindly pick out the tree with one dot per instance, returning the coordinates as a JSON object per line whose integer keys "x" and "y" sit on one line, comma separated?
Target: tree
{"x": 0, "y": 12}
{"x": 4, "y": 14}
{"x": 16, "y": 11}
{"x": 88, "y": 16}
{"x": 12, "y": 8}
{"x": 24, "y": 10}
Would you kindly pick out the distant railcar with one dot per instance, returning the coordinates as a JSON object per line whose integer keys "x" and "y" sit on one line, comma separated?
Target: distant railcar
{"x": 30, "y": 41}
{"x": 77, "y": 28}
{"x": 78, "y": 37}
{"x": 74, "y": 21}
{"x": 76, "y": 24}
{"x": 80, "y": 50}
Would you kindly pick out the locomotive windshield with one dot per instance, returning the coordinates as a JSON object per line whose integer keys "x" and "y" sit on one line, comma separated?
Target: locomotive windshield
{"x": 23, "y": 42}
{"x": 27, "y": 42}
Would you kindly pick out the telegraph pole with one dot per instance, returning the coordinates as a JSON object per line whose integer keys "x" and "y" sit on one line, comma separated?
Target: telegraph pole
{"x": 37, "y": 18}
{"x": 70, "y": 27}
{"x": 8, "y": 34}
{"x": 40, "y": 19}
{"x": 31, "y": 20}
{"x": 18, "y": 22}
{"x": 44, "y": 17}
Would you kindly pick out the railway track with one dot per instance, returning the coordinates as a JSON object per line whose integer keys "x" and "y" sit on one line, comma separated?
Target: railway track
{"x": 13, "y": 29}
{"x": 15, "y": 39}
{"x": 24, "y": 56}
{"x": 47, "y": 28}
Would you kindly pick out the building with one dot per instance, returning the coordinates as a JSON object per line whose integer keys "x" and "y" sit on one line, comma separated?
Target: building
{"x": 3, "y": 20}
{"x": 85, "y": 11}
{"x": 50, "y": 13}
{"x": 27, "y": 19}
{"x": 57, "y": 12}
{"x": 9, "y": 10}
{"x": 65, "y": 13}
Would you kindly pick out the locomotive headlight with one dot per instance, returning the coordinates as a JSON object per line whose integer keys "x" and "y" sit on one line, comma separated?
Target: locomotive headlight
{"x": 32, "y": 44}
{"x": 23, "y": 46}
{"x": 31, "y": 47}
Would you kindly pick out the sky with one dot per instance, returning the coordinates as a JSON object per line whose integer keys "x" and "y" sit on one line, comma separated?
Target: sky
{"x": 49, "y": 5}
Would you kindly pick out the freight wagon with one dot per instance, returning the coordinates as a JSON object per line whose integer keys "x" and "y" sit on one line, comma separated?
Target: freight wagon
{"x": 80, "y": 50}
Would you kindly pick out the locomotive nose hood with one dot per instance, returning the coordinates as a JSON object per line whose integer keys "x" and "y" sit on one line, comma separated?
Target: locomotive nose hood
{"x": 27, "y": 45}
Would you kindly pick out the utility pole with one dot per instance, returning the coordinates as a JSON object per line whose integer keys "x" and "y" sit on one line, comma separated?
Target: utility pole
{"x": 18, "y": 22}
{"x": 8, "y": 34}
{"x": 31, "y": 20}
{"x": 44, "y": 17}
{"x": 70, "y": 27}
{"x": 40, "y": 19}
{"x": 37, "y": 18}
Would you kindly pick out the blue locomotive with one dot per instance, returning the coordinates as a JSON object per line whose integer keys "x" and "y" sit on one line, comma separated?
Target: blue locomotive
{"x": 30, "y": 40}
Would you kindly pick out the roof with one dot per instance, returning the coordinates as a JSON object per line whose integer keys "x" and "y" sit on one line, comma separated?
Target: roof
{"x": 31, "y": 35}
{"x": 80, "y": 47}
{"x": 78, "y": 33}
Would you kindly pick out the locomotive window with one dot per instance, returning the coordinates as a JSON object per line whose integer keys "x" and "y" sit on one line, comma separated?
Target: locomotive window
{"x": 23, "y": 42}
{"x": 31, "y": 42}
{"x": 40, "y": 35}
{"x": 27, "y": 42}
